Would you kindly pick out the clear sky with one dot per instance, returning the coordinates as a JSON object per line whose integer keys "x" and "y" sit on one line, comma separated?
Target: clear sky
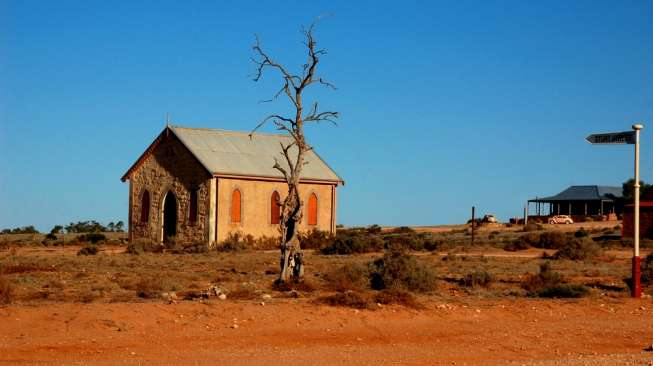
{"x": 444, "y": 105}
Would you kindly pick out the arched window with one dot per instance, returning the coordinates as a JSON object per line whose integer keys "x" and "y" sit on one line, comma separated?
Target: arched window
{"x": 275, "y": 209}
{"x": 145, "y": 207}
{"x": 312, "y": 209}
{"x": 192, "y": 210}
{"x": 235, "y": 206}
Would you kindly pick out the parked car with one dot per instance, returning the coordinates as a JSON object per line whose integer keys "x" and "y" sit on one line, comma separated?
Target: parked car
{"x": 561, "y": 219}
{"x": 490, "y": 219}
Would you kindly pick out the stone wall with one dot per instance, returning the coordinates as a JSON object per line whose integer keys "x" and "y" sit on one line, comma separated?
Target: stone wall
{"x": 256, "y": 206}
{"x": 171, "y": 167}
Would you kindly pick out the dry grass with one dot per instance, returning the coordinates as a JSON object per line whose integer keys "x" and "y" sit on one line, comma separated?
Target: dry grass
{"x": 39, "y": 274}
{"x": 6, "y": 292}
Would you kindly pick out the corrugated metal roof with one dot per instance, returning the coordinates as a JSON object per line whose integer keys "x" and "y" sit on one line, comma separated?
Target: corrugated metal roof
{"x": 235, "y": 153}
{"x": 584, "y": 193}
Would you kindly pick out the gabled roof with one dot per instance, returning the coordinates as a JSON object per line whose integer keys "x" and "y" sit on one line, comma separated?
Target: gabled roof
{"x": 584, "y": 193}
{"x": 233, "y": 153}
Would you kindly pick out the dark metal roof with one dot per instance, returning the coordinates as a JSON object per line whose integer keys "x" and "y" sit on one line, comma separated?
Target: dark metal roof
{"x": 584, "y": 193}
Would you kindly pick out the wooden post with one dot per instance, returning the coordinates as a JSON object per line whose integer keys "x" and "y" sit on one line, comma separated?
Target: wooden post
{"x": 473, "y": 223}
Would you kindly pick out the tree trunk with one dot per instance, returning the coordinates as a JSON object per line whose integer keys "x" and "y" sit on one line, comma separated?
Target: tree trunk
{"x": 291, "y": 260}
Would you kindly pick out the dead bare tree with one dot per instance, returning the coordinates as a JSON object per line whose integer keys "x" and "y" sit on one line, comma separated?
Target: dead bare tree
{"x": 293, "y": 86}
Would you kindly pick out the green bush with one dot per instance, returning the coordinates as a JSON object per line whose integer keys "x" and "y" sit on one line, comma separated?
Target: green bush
{"x": 546, "y": 240}
{"x": 315, "y": 239}
{"x": 399, "y": 270}
{"x": 545, "y": 278}
{"x": 351, "y": 276}
{"x": 91, "y": 238}
{"x": 353, "y": 241}
{"x": 581, "y": 233}
{"x": 563, "y": 291}
{"x": 578, "y": 249}
{"x": 477, "y": 278}
{"x": 88, "y": 250}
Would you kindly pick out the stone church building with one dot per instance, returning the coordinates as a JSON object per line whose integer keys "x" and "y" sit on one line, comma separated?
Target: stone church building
{"x": 199, "y": 185}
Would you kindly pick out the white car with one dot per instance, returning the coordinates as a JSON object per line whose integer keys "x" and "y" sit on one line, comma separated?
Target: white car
{"x": 561, "y": 219}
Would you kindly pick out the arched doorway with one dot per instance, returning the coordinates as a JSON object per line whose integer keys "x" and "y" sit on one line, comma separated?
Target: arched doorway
{"x": 169, "y": 216}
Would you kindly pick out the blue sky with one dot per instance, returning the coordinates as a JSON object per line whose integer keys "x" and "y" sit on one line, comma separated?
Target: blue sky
{"x": 444, "y": 105}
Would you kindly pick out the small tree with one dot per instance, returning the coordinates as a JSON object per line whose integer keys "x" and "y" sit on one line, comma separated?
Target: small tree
{"x": 293, "y": 86}
{"x": 120, "y": 226}
{"x": 629, "y": 189}
{"x": 111, "y": 226}
{"x": 56, "y": 229}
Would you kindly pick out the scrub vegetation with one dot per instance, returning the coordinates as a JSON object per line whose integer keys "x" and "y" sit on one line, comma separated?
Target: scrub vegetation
{"x": 363, "y": 268}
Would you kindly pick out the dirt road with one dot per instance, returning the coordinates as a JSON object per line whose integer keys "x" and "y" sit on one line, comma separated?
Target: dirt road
{"x": 474, "y": 332}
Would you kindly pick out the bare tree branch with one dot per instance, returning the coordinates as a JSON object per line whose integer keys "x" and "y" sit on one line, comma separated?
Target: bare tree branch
{"x": 294, "y": 151}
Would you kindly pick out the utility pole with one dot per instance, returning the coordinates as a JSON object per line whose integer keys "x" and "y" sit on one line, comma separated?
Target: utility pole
{"x": 473, "y": 223}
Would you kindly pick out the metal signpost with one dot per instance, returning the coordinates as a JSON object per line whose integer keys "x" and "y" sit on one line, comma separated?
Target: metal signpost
{"x": 627, "y": 137}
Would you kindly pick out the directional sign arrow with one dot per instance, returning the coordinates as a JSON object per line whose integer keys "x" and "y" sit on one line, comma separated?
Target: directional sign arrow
{"x": 612, "y": 138}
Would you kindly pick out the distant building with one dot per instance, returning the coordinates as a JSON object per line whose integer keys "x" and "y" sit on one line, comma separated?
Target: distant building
{"x": 580, "y": 201}
{"x": 645, "y": 217}
{"x": 200, "y": 185}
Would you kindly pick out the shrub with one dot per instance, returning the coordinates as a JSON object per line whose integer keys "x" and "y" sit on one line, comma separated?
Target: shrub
{"x": 91, "y": 238}
{"x": 374, "y": 229}
{"x": 399, "y": 270}
{"x": 578, "y": 249}
{"x": 315, "y": 239}
{"x": 350, "y": 242}
{"x": 51, "y": 236}
{"x": 351, "y": 276}
{"x": 293, "y": 285}
{"x": 350, "y": 299}
{"x": 531, "y": 226}
{"x": 235, "y": 241}
{"x": 545, "y": 278}
{"x": 563, "y": 291}
{"x": 403, "y": 230}
{"x": 88, "y": 250}
{"x": 515, "y": 245}
{"x": 546, "y": 240}
{"x": 267, "y": 242}
{"x": 477, "y": 278}
{"x": 143, "y": 245}
{"x": 405, "y": 241}
{"x": 6, "y": 292}
{"x": 149, "y": 288}
{"x": 395, "y": 296}
{"x": 581, "y": 233}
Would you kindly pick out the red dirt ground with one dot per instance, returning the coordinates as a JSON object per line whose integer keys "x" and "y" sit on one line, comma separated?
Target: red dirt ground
{"x": 474, "y": 332}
